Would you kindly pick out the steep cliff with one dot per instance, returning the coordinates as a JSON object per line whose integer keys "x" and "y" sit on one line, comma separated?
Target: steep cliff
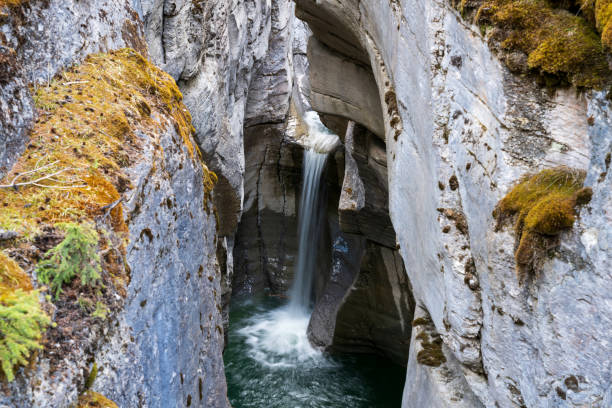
{"x": 460, "y": 129}
{"x": 440, "y": 120}
{"x": 167, "y": 298}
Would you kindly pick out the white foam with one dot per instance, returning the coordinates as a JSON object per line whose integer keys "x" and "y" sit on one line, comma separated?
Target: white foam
{"x": 320, "y": 138}
{"x": 278, "y": 339}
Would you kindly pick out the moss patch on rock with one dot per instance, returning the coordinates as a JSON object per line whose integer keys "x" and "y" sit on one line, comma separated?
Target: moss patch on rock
{"x": 95, "y": 120}
{"x": 92, "y": 119}
{"x": 91, "y": 399}
{"x": 542, "y": 205}
{"x": 561, "y": 44}
{"x": 431, "y": 353}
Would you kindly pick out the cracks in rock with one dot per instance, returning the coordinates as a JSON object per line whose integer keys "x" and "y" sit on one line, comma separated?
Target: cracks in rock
{"x": 163, "y": 31}
{"x": 260, "y": 238}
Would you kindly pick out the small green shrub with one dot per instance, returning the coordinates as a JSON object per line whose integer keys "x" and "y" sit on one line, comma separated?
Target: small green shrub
{"x": 75, "y": 256}
{"x": 543, "y": 205}
{"x": 22, "y": 323}
{"x": 101, "y": 311}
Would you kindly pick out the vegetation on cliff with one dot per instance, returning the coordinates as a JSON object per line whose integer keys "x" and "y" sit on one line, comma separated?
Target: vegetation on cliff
{"x": 75, "y": 256}
{"x": 542, "y": 205}
{"x": 564, "y": 42}
{"x": 64, "y": 199}
{"x": 91, "y": 399}
{"x": 22, "y": 320}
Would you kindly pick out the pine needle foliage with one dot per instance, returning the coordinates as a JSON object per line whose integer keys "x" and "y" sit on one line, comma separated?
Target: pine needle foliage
{"x": 22, "y": 323}
{"x": 75, "y": 256}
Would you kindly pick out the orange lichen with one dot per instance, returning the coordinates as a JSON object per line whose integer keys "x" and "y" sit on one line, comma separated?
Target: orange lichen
{"x": 92, "y": 120}
{"x": 10, "y": 3}
{"x": 12, "y": 277}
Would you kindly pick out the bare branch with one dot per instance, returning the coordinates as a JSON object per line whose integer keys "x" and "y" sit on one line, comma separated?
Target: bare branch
{"x": 37, "y": 182}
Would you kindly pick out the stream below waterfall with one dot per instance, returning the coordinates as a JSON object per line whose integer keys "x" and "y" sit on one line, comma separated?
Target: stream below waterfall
{"x": 269, "y": 363}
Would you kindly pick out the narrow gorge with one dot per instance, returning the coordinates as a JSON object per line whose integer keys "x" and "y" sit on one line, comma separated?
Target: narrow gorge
{"x": 313, "y": 203}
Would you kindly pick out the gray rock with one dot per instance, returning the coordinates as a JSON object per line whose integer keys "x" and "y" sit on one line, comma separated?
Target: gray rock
{"x": 460, "y": 129}
{"x": 16, "y": 110}
{"x": 165, "y": 349}
{"x": 342, "y": 87}
{"x": 266, "y": 241}
{"x": 213, "y": 50}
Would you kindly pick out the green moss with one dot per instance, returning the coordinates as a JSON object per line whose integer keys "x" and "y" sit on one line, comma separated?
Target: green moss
{"x": 543, "y": 205}
{"x": 75, "y": 256}
{"x": 101, "y": 311}
{"x": 558, "y": 43}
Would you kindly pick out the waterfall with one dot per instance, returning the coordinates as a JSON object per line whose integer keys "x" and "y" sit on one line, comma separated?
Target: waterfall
{"x": 318, "y": 144}
{"x": 277, "y": 339}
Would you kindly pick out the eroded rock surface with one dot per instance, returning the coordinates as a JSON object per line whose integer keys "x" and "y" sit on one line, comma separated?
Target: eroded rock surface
{"x": 460, "y": 129}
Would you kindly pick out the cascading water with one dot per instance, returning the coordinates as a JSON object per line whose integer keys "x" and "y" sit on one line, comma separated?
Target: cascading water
{"x": 318, "y": 145}
{"x": 269, "y": 361}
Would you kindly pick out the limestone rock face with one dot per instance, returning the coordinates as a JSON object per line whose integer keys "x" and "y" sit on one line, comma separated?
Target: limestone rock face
{"x": 173, "y": 300}
{"x": 460, "y": 129}
{"x": 366, "y": 305}
{"x": 266, "y": 241}
{"x": 214, "y": 50}
{"x": 174, "y": 295}
{"x": 16, "y": 110}
{"x": 343, "y": 87}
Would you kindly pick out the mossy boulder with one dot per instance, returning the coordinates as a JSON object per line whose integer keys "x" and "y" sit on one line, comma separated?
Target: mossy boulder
{"x": 543, "y": 205}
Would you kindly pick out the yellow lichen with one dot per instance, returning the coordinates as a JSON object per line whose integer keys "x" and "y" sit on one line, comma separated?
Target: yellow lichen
{"x": 91, "y": 399}
{"x": 543, "y": 205}
{"x": 558, "y": 42}
{"x": 92, "y": 121}
{"x": 10, "y": 3}
{"x": 603, "y": 21}
{"x": 12, "y": 277}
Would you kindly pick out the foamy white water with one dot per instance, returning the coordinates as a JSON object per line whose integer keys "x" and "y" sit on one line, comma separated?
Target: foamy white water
{"x": 320, "y": 139}
{"x": 319, "y": 143}
{"x": 278, "y": 339}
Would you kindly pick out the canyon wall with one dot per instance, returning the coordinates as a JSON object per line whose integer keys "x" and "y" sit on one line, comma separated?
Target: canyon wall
{"x": 435, "y": 129}
{"x": 460, "y": 129}
{"x": 162, "y": 343}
